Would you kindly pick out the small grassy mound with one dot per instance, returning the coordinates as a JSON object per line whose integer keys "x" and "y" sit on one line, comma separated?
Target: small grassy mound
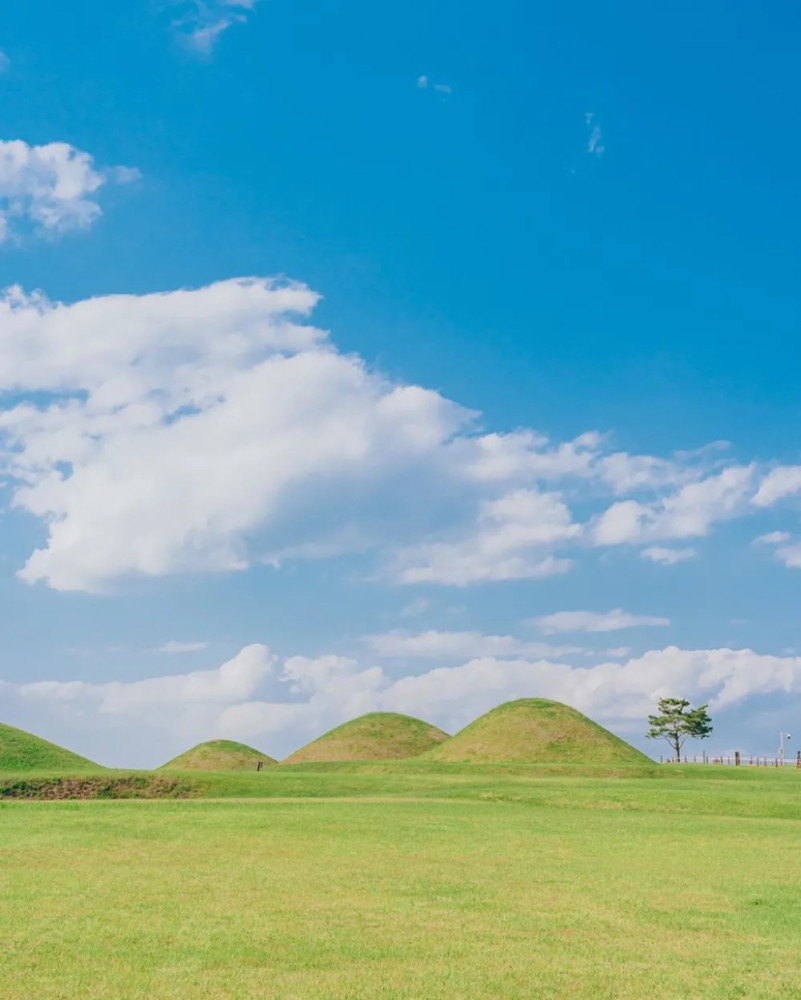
{"x": 376, "y": 736}
{"x": 218, "y": 755}
{"x": 21, "y": 751}
{"x": 537, "y": 731}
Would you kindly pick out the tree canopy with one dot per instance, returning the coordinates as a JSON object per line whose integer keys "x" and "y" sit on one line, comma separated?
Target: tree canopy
{"x": 676, "y": 721}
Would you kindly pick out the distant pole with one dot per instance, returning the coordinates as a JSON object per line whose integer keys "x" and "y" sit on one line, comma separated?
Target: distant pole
{"x": 736, "y": 758}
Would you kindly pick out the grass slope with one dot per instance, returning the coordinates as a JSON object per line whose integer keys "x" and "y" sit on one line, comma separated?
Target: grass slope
{"x": 376, "y": 736}
{"x": 537, "y": 730}
{"x": 21, "y": 751}
{"x": 218, "y": 755}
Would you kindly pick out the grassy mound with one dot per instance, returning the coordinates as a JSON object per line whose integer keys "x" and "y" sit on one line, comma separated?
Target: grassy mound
{"x": 21, "y": 751}
{"x": 376, "y": 736}
{"x": 538, "y": 731}
{"x": 218, "y": 755}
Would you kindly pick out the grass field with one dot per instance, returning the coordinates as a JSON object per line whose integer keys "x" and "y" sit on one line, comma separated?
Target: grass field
{"x": 385, "y": 882}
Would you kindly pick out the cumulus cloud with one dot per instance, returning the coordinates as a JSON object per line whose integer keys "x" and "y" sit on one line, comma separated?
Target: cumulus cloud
{"x": 204, "y": 21}
{"x": 781, "y": 482}
{"x": 279, "y": 705}
{"x": 506, "y": 544}
{"x": 687, "y": 513}
{"x": 159, "y": 449}
{"x": 593, "y": 621}
{"x": 51, "y": 188}
{"x": 210, "y": 429}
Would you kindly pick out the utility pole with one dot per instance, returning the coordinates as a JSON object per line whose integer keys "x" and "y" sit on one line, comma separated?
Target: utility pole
{"x": 782, "y": 737}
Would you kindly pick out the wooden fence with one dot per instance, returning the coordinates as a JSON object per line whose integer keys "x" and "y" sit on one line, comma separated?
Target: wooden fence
{"x": 736, "y": 760}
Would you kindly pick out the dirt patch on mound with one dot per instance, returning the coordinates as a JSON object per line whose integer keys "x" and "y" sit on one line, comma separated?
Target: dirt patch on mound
{"x": 99, "y": 787}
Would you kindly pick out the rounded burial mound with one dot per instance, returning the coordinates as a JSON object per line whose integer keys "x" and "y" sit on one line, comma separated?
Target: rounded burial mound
{"x": 377, "y": 736}
{"x": 218, "y": 755}
{"x": 21, "y": 751}
{"x": 533, "y": 730}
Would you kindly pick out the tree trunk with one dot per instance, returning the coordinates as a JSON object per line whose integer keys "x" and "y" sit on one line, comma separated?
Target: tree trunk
{"x": 676, "y": 747}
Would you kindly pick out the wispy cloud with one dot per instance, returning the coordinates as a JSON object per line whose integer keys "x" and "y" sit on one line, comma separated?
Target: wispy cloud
{"x": 593, "y": 621}
{"x": 173, "y": 646}
{"x": 787, "y": 549}
{"x": 595, "y": 144}
{"x": 666, "y": 556}
{"x": 436, "y": 645}
{"x": 206, "y": 20}
{"x": 5, "y": 62}
{"x": 426, "y": 83}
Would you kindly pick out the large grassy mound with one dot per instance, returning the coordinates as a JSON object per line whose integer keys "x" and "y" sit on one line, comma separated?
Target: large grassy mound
{"x": 376, "y": 736}
{"x": 538, "y": 731}
{"x": 218, "y": 755}
{"x": 21, "y": 751}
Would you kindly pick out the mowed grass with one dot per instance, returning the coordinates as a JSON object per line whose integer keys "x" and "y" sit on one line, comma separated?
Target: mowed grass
{"x": 414, "y": 883}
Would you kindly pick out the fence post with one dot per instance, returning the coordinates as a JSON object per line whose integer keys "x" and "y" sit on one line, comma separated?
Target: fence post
{"x": 736, "y": 758}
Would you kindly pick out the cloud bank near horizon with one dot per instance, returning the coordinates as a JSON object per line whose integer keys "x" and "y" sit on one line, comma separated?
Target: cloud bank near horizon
{"x": 280, "y": 703}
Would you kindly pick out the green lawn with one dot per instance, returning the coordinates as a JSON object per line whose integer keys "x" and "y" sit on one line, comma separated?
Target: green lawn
{"x": 414, "y": 882}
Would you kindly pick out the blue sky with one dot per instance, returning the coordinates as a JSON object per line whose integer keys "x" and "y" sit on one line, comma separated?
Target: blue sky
{"x": 386, "y": 335}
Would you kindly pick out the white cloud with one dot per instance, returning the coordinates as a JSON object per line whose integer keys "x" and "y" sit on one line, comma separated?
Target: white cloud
{"x": 595, "y": 141}
{"x": 460, "y": 645}
{"x": 206, "y": 20}
{"x": 790, "y": 555}
{"x": 218, "y": 428}
{"x": 50, "y": 188}
{"x": 687, "y": 513}
{"x": 509, "y": 542}
{"x": 162, "y": 448}
{"x": 174, "y": 646}
{"x": 424, "y": 82}
{"x": 781, "y": 482}
{"x": 524, "y": 454}
{"x": 253, "y": 697}
{"x": 787, "y": 550}
{"x": 667, "y": 557}
{"x": 5, "y": 62}
{"x": 774, "y": 538}
{"x": 593, "y": 621}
